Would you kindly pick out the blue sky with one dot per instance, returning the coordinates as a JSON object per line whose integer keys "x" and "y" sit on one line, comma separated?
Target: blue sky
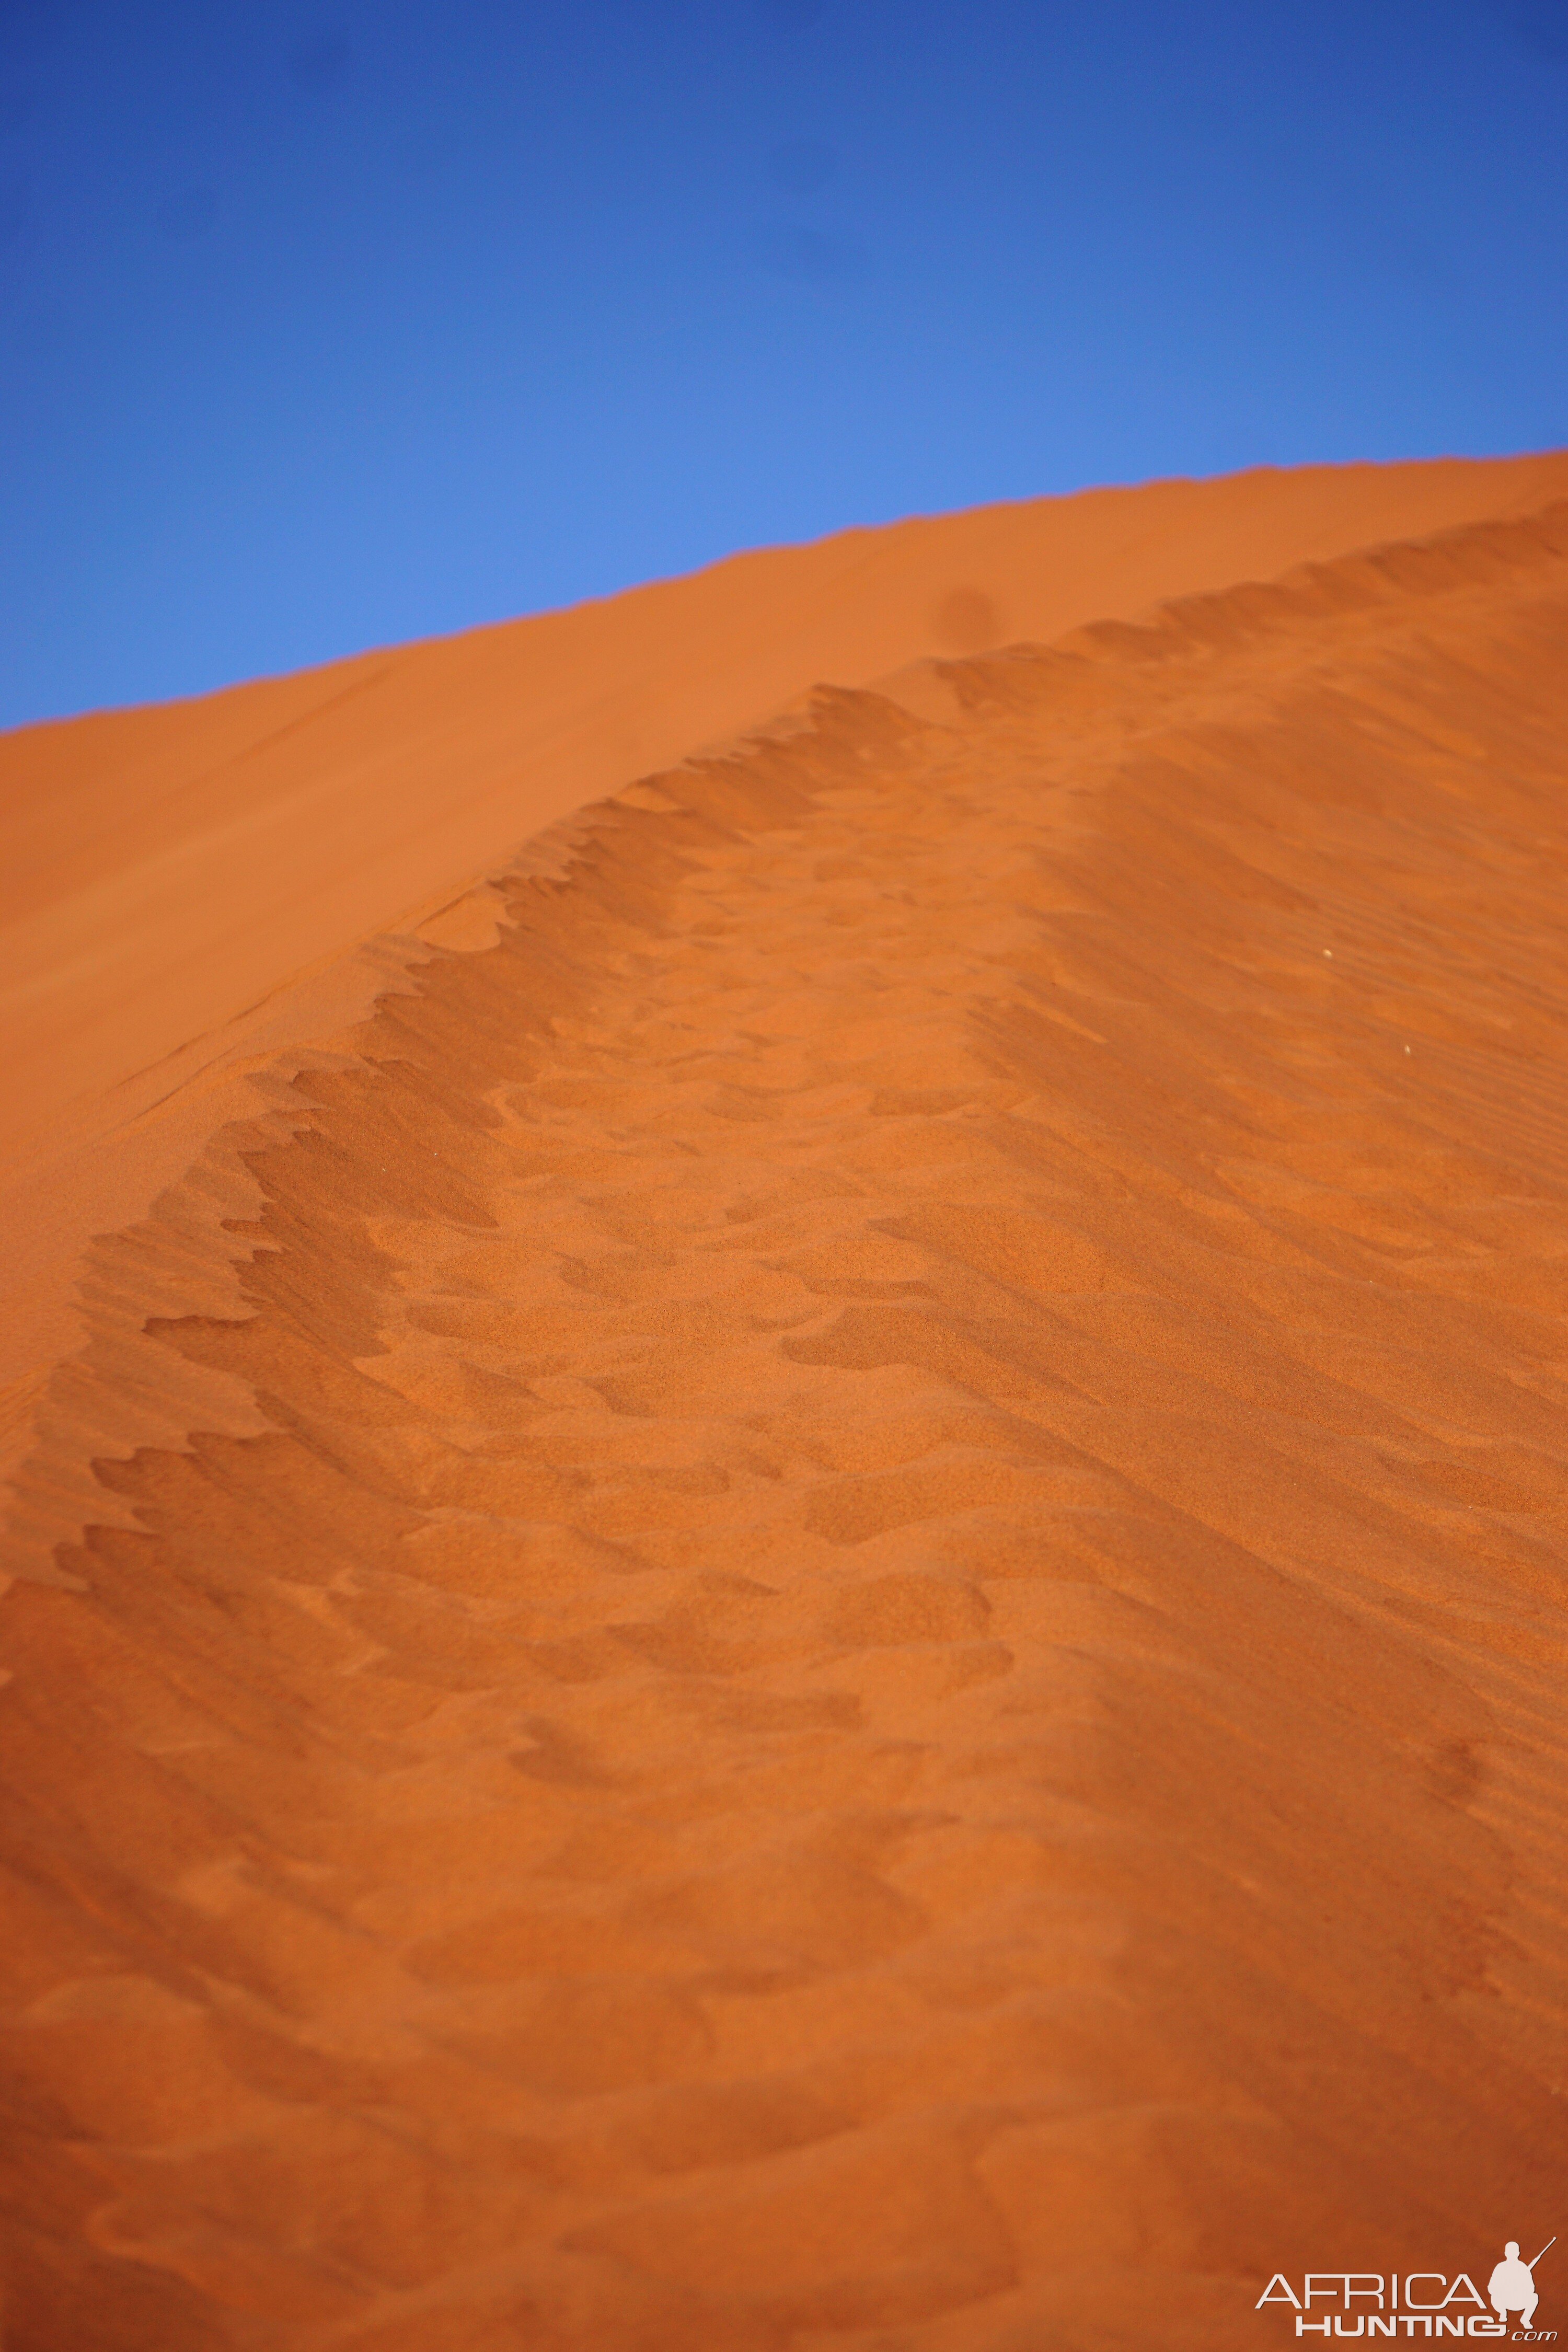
{"x": 326, "y": 327}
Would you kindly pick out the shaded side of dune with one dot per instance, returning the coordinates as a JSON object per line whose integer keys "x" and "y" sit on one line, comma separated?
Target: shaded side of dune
{"x": 858, "y": 1640}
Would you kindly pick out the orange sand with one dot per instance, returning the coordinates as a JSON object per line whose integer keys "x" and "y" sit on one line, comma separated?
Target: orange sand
{"x": 165, "y": 875}
{"x": 821, "y": 1607}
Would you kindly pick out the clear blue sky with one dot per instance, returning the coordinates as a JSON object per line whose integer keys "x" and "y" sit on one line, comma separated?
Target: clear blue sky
{"x": 322, "y": 328}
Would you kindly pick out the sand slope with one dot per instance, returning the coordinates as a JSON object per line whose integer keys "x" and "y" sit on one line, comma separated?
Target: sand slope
{"x": 855, "y": 1635}
{"x": 166, "y": 872}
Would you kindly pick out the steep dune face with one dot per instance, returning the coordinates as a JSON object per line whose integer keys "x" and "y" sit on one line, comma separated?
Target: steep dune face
{"x": 854, "y": 1638}
{"x": 166, "y": 873}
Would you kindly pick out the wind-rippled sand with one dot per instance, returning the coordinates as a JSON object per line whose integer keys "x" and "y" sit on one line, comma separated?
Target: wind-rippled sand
{"x": 881, "y": 1668}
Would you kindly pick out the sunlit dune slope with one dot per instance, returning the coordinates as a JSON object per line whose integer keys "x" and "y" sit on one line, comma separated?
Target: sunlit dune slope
{"x": 848, "y": 1637}
{"x": 164, "y": 873}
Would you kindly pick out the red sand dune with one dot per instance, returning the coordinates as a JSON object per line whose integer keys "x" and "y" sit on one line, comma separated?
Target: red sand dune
{"x": 166, "y": 873}
{"x": 804, "y": 1588}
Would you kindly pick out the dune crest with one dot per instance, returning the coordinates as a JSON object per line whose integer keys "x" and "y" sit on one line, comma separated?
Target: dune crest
{"x": 180, "y": 886}
{"x": 843, "y": 1620}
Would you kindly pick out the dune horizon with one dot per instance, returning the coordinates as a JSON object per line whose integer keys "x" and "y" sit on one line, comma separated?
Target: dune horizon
{"x": 162, "y": 934}
{"x": 783, "y": 1402}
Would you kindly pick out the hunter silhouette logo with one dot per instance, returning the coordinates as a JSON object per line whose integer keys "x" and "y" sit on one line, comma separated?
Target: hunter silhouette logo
{"x": 1419, "y": 2304}
{"x": 1511, "y": 2285}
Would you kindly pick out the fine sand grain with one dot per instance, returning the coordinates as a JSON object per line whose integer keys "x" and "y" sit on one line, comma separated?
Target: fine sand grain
{"x": 820, "y": 1608}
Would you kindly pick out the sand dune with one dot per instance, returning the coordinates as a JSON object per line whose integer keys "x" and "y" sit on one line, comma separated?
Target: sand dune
{"x": 178, "y": 885}
{"x": 822, "y": 1605}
